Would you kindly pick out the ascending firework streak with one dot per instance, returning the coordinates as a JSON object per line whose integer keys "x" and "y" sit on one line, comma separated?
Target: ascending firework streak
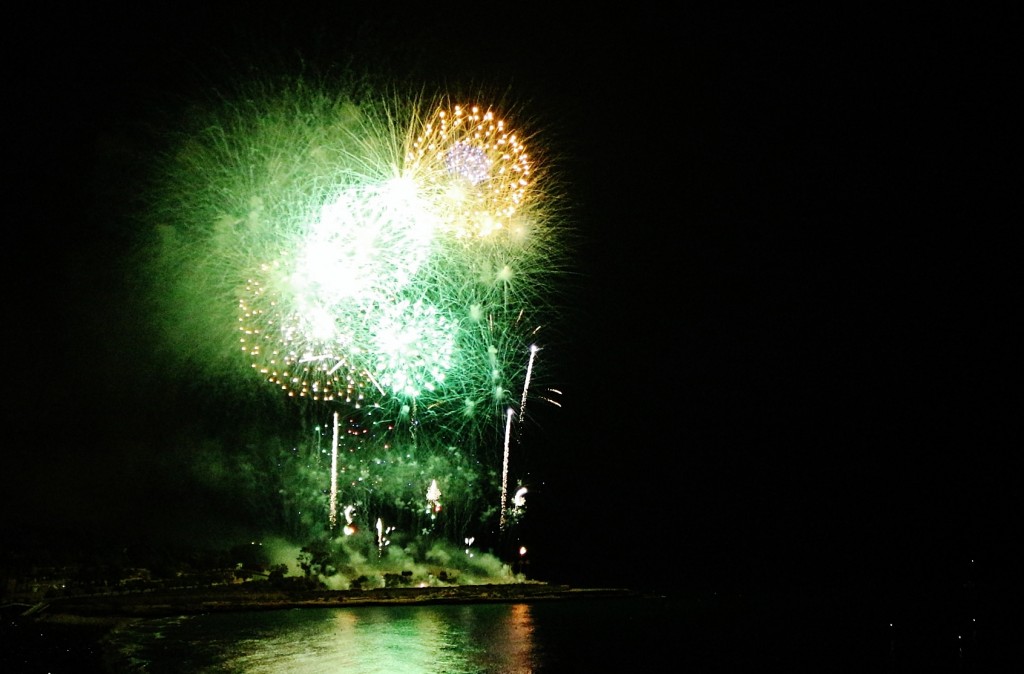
{"x": 504, "y": 469}
{"x": 526, "y": 386}
{"x": 334, "y": 476}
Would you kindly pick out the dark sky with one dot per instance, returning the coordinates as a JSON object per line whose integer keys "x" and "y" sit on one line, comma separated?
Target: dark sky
{"x": 790, "y": 350}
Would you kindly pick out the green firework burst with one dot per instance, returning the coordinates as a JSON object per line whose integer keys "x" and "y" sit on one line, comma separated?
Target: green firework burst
{"x": 393, "y": 255}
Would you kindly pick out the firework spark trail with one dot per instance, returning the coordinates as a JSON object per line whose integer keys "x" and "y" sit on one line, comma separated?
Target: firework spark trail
{"x": 334, "y": 475}
{"x": 504, "y": 469}
{"x": 526, "y": 385}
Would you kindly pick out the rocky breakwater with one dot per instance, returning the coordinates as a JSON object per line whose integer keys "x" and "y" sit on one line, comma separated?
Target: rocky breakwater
{"x": 248, "y": 597}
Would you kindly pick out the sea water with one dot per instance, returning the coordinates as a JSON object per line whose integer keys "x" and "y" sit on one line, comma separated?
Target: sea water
{"x": 686, "y": 633}
{"x": 570, "y": 635}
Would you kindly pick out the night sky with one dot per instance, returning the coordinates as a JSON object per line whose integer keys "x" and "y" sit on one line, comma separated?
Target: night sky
{"x": 787, "y": 356}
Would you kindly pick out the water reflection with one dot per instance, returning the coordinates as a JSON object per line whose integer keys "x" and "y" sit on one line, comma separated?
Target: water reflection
{"x": 456, "y": 639}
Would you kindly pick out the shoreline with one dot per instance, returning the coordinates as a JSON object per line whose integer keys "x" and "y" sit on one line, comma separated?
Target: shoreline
{"x": 109, "y": 609}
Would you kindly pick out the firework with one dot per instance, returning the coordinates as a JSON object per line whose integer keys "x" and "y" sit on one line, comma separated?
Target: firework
{"x": 474, "y": 167}
{"x": 394, "y": 257}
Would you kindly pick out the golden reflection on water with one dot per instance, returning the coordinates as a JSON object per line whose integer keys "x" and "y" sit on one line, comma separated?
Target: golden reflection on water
{"x": 519, "y": 634}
